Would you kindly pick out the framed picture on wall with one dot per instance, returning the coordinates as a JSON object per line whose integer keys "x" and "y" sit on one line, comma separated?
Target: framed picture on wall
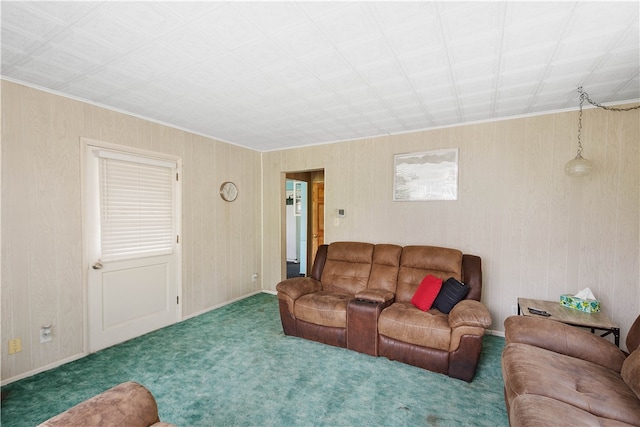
{"x": 426, "y": 175}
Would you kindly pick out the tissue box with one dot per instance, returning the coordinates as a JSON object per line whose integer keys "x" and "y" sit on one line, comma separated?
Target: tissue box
{"x": 586, "y": 305}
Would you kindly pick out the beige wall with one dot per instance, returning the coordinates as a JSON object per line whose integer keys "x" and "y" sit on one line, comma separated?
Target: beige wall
{"x": 42, "y": 265}
{"x": 539, "y": 232}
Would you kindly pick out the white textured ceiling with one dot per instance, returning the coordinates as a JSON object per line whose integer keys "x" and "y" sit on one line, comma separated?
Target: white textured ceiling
{"x": 273, "y": 75}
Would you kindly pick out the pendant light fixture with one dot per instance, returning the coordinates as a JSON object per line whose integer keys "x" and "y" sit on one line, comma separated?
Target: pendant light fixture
{"x": 580, "y": 166}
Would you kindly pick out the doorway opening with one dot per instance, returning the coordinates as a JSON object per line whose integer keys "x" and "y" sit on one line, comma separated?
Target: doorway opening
{"x": 304, "y": 211}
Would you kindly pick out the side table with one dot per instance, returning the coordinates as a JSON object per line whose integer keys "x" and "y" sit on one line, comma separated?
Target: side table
{"x": 594, "y": 321}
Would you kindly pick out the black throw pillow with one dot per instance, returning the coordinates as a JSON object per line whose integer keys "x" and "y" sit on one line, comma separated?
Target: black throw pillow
{"x": 452, "y": 292}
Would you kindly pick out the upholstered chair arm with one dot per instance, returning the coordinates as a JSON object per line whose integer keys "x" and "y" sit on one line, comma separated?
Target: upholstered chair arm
{"x": 564, "y": 339}
{"x": 298, "y": 286}
{"x": 127, "y": 404}
{"x": 469, "y": 313}
{"x": 375, "y": 295}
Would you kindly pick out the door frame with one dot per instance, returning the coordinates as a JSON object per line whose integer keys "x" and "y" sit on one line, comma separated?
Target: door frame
{"x": 307, "y": 176}
{"x": 86, "y": 258}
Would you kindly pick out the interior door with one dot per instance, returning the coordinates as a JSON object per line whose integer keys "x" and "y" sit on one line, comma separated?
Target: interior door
{"x": 317, "y": 207}
{"x": 129, "y": 296}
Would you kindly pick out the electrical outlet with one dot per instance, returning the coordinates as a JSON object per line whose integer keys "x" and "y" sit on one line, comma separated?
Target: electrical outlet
{"x": 45, "y": 334}
{"x": 254, "y": 277}
{"x": 15, "y": 346}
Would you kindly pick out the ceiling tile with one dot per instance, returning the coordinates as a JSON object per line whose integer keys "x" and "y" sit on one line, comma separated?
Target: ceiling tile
{"x": 468, "y": 21}
{"x": 351, "y": 23}
{"x": 302, "y": 40}
{"x": 389, "y": 15}
{"x": 151, "y": 18}
{"x": 263, "y": 53}
{"x": 102, "y": 26}
{"x": 366, "y": 51}
{"x": 21, "y": 17}
{"x": 19, "y": 41}
{"x": 432, "y": 62}
{"x": 416, "y": 38}
{"x": 380, "y": 72}
{"x": 227, "y": 27}
{"x": 272, "y": 16}
{"x": 327, "y": 63}
{"x": 197, "y": 44}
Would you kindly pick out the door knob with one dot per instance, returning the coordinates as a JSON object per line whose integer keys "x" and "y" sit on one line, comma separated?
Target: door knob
{"x": 97, "y": 265}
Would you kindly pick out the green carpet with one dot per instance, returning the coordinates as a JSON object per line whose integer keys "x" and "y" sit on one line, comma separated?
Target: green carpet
{"x": 234, "y": 366}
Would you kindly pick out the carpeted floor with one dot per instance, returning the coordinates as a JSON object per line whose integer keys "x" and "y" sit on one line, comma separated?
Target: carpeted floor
{"x": 234, "y": 367}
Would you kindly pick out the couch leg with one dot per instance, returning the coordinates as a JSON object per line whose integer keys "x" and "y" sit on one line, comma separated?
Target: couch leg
{"x": 288, "y": 321}
{"x": 464, "y": 361}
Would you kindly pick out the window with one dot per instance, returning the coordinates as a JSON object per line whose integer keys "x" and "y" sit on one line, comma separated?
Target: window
{"x": 136, "y": 206}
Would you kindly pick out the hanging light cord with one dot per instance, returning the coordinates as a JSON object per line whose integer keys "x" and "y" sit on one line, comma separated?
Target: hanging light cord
{"x": 585, "y": 95}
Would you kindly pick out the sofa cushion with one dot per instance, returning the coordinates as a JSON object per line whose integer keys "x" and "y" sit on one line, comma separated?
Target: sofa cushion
{"x": 347, "y": 267}
{"x": 427, "y": 292}
{"x": 323, "y": 308}
{"x": 384, "y": 268}
{"x": 601, "y": 391}
{"x": 452, "y": 292}
{"x": 418, "y": 261}
{"x": 531, "y": 410}
{"x": 404, "y": 322}
{"x": 564, "y": 339}
{"x": 630, "y": 372}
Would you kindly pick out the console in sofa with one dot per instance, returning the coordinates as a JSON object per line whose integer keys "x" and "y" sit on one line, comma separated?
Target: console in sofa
{"x": 359, "y": 297}
{"x": 128, "y": 404}
{"x": 556, "y": 374}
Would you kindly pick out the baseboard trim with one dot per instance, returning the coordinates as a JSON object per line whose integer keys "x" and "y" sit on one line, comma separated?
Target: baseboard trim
{"x": 496, "y": 333}
{"x": 206, "y": 310}
{"x": 43, "y": 368}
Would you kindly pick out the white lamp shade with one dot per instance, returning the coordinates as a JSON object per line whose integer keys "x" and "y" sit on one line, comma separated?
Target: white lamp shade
{"x": 578, "y": 166}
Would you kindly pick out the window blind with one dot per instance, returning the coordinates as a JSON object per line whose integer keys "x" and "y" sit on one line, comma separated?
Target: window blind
{"x": 136, "y": 207}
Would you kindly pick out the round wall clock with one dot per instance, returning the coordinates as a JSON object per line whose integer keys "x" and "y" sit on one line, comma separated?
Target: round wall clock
{"x": 228, "y": 191}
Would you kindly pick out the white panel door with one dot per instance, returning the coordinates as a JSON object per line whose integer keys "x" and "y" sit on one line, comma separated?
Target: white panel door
{"x": 126, "y": 297}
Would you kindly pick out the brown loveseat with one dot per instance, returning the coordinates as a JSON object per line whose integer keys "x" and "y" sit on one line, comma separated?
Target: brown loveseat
{"x": 128, "y": 404}
{"x": 556, "y": 374}
{"x": 359, "y": 297}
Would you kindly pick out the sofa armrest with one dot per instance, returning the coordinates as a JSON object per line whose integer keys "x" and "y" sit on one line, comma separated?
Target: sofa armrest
{"x": 129, "y": 404}
{"x": 375, "y": 295}
{"x": 298, "y": 286}
{"x": 469, "y": 313}
{"x": 564, "y": 339}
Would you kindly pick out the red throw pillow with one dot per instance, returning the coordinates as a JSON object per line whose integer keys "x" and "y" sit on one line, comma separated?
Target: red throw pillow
{"x": 427, "y": 292}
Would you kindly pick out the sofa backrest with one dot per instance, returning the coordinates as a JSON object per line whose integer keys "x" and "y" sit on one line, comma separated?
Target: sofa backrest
{"x": 418, "y": 261}
{"x": 347, "y": 267}
{"x": 385, "y": 266}
{"x": 351, "y": 267}
{"x": 472, "y": 275}
{"x": 633, "y": 337}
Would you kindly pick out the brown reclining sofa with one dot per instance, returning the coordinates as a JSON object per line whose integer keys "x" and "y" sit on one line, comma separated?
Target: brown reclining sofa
{"x": 359, "y": 297}
{"x": 556, "y": 374}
